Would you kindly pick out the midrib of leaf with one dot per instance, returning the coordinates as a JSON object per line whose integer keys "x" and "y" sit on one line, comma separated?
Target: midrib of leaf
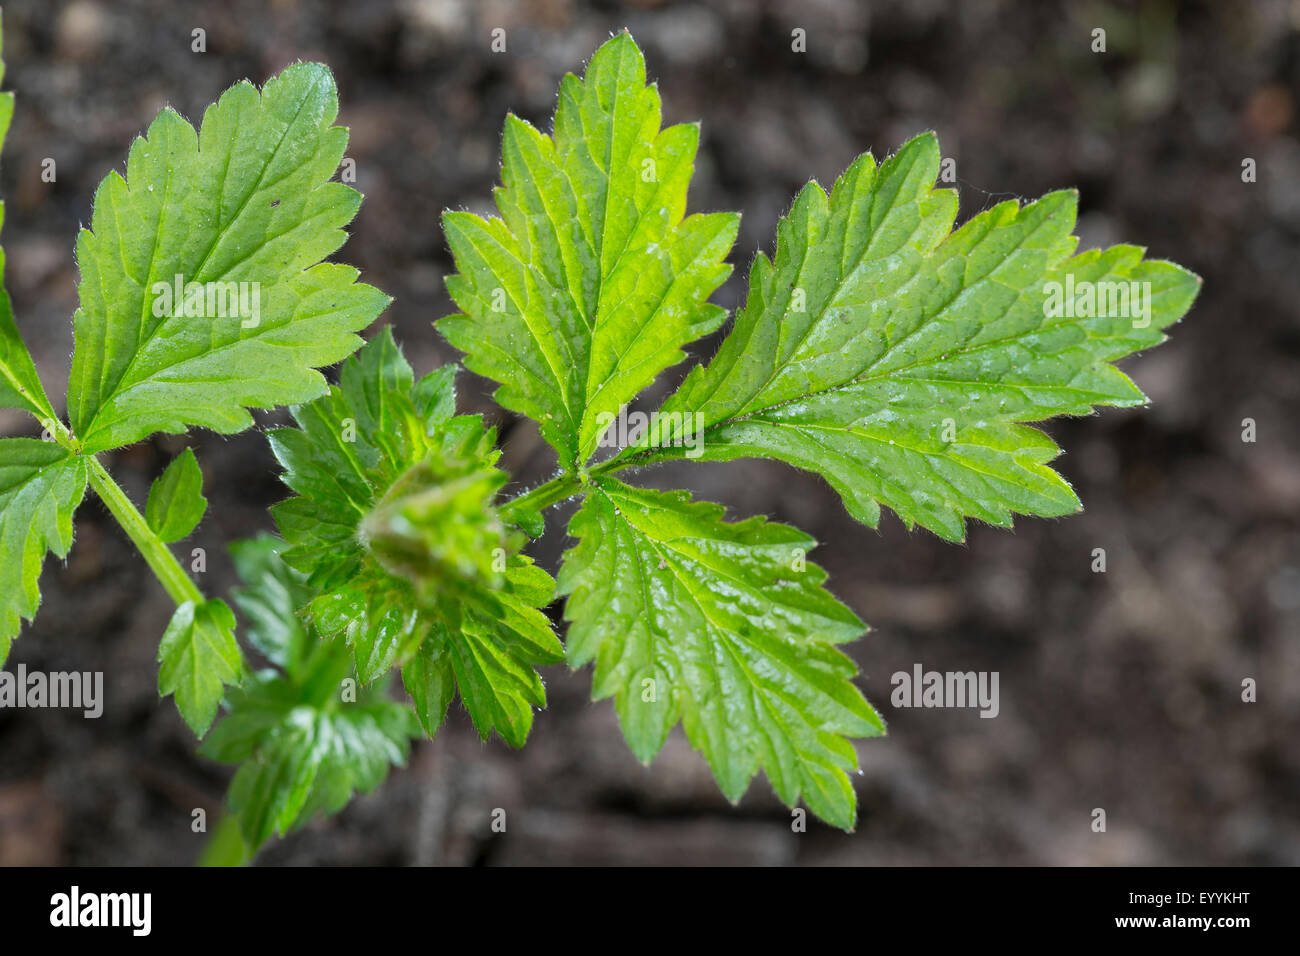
{"x": 636, "y": 338}
{"x": 671, "y": 555}
{"x": 359, "y": 507}
{"x": 222, "y": 231}
{"x": 611, "y": 269}
{"x": 940, "y": 312}
{"x": 209, "y": 649}
{"x": 604, "y": 232}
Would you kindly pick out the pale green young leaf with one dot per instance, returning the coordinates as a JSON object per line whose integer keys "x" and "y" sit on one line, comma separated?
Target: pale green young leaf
{"x": 394, "y": 523}
{"x": 351, "y": 444}
{"x": 591, "y": 281}
{"x": 725, "y": 627}
{"x": 197, "y": 657}
{"x": 431, "y": 526}
{"x": 898, "y": 358}
{"x": 243, "y": 212}
{"x": 176, "y": 503}
{"x": 41, "y": 484}
{"x": 20, "y": 387}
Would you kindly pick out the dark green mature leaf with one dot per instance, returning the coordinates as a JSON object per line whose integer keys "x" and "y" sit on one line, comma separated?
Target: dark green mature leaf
{"x": 198, "y": 656}
{"x": 271, "y": 599}
{"x": 304, "y": 744}
{"x": 20, "y": 387}
{"x": 724, "y": 626}
{"x": 897, "y": 359}
{"x": 299, "y": 758}
{"x": 41, "y": 484}
{"x": 176, "y": 503}
{"x": 591, "y": 281}
{"x": 489, "y": 642}
{"x": 243, "y": 212}
{"x": 394, "y": 523}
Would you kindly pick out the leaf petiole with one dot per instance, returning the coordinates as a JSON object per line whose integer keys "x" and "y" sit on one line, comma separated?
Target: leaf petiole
{"x": 179, "y": 586}
{"x": 542, "y": 497}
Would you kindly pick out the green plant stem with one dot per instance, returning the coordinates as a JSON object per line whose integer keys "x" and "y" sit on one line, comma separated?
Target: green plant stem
{"x": 568, "y": 484}
{"x": 226, "y": 846}
{"x": 159, "y": 557}
{"x": 543, "y": 496}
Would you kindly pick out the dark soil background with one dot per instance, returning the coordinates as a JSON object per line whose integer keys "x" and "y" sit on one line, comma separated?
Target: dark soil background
{"x": 1119, "y": 690}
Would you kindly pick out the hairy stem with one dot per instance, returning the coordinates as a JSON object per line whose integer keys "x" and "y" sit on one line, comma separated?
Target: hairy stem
{"x": 567, "y": 485}
{"x": 543, "y": 496}
{"x": 154, "y": 550}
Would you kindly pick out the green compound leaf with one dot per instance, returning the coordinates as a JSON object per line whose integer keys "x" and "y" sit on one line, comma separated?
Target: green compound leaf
{"x": 303, "y": 747}
{"x": 198, "y": 656}
{"x": 176, "y": 503}
{"x": 237, "y": 219}
{"x": 591, "y": 281}
{"x": 724, "y": 626}
{"x": 20, "y": 387}
{"x": 304, "y": 753}
{"x": 41, "y": 484}
{"x": 394, "y": 524}
{"x": 897, "y": 358}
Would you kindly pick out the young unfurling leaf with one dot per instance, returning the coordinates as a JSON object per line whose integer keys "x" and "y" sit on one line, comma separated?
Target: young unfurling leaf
{"x": 394, "y": 524}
